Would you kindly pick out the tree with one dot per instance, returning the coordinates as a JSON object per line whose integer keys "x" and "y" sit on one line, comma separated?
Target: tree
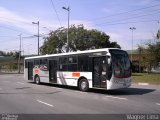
{"x": 79, "y": 39}
{"x": 149, "y": 56}
{"x": 3, "y": 53}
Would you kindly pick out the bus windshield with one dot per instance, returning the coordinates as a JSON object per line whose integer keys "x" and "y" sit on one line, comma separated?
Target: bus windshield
{"x": 121, "y": 65}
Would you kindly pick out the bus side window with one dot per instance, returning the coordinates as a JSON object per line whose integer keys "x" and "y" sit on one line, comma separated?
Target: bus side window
{"x": 44, "y": 64}
{"x": 63, "y": 60}
{"x": 72, "y": 63}
{"x": 83, "y": 63}
{"x": 63, "y": 67}
{"x": 36, "y": 63}
{"x": 109, "y": 68}
{"x": 63, "y": 63}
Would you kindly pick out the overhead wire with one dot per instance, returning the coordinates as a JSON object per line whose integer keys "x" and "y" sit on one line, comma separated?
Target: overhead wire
{"x": 100, "y": 18}
{"x": 118, "y": 20}
{"x": 54, "y": 8}
{"x": 16, "y": 20}
{"x": 9, "y": 28}
{"x": 124, "y": 12}
{"x": 6, "y": 37}
{"x": 106, "y": 23}
{"x": 129, "y": 22}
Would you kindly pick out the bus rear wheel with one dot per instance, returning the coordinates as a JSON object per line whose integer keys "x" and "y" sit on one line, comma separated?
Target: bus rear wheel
{"x": 83, "y": 85}
{"x": 37, "y": 80}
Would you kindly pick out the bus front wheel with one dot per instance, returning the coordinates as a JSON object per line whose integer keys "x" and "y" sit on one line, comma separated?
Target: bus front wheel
{"x": 84, "y": 85}
{"x": 37, "y": 80}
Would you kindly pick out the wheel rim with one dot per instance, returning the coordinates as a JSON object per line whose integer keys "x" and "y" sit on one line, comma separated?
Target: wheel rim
{"x": 83, "y": 85}
{"x": 37, "y": 80}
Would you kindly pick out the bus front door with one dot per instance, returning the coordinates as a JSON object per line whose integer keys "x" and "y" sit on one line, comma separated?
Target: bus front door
{"x": 99, "y": 72}
{"x": 53, "y": 71}
{"x": 30, "y": 70}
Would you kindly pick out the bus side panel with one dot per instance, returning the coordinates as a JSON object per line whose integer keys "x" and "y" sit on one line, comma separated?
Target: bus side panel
{"x": 116, "y": 83}
{"x": 71, "y": 78}
{"x": 44, "y": 75}
{"x": 26, "y": 73}
{"x": 44, "y": 79}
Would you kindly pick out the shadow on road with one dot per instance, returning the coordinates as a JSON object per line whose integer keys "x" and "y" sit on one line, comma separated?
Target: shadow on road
{"x": 125, "y": 91}
{"x": 19, "y": 91}
{"x": 20, "y": 88}
{"x": 29, "y": 93}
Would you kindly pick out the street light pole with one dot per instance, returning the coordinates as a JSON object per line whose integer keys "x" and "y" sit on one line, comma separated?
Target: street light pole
{"x": 132, "y": 28}
{"x": 19, "y": 58}
{"x": 68, "y": 9}
{"x": 38, "y": 34}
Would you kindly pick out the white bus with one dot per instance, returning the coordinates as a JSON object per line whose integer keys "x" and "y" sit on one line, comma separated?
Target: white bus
{"x": 107, "y": 68}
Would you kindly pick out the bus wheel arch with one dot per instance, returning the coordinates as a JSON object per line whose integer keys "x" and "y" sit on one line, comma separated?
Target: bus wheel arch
{"x": 83, "y": 84}
{"x": 37, "y": 79}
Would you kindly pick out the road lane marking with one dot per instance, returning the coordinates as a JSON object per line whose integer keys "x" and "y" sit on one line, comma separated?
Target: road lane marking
{"x": 20, "y": 82}
{"x": 59, "y": 88}
{"x": 80, "y": 92}
{"x": 45, "y": 103}
{"x": 143, "y": 83}
{"x": 117, "y": 97}
{"x": 157, "y": 103}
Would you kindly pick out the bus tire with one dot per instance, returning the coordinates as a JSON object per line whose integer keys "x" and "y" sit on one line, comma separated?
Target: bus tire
{"x": 37, "y": 80}
{"x": 83, "y": 85}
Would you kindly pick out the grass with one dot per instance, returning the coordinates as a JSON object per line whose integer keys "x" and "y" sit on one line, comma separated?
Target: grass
{"x": 151, "y": 78}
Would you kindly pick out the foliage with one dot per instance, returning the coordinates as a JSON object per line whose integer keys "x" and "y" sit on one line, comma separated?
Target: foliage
{"x": 79, "y": 39}
{"x": 149, "y": 56}
{"x": 14, "y": 54}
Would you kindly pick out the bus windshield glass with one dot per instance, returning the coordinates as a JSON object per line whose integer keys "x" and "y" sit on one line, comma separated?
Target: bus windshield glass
{"x": 121, "y": 65}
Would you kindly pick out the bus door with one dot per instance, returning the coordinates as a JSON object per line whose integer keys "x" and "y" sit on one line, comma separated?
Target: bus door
{"x": 53, "y": 71}
{"x": 30, "y": 70}
{"x": 99, "y": 72}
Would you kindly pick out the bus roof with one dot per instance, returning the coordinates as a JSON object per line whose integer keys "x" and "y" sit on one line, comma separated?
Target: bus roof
{"x": 72, "y": 53}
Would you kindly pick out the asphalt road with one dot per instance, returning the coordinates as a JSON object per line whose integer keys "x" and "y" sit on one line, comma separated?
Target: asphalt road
{"x": 18, "y": 96}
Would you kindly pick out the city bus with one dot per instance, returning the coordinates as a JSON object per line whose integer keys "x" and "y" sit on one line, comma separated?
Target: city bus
{"x": 107, "y": 68}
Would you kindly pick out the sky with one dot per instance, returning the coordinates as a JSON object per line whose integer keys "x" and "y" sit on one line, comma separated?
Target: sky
{"x": 114, "y": 17}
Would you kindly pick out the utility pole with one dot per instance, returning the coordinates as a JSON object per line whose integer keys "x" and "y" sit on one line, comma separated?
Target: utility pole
{"x": 132, "y": 28}
{"x": 68, "y": 9}
{"x": 19, "y": 59}
{"x": 38, "y": 34}
{"x": 139, "y": 58}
